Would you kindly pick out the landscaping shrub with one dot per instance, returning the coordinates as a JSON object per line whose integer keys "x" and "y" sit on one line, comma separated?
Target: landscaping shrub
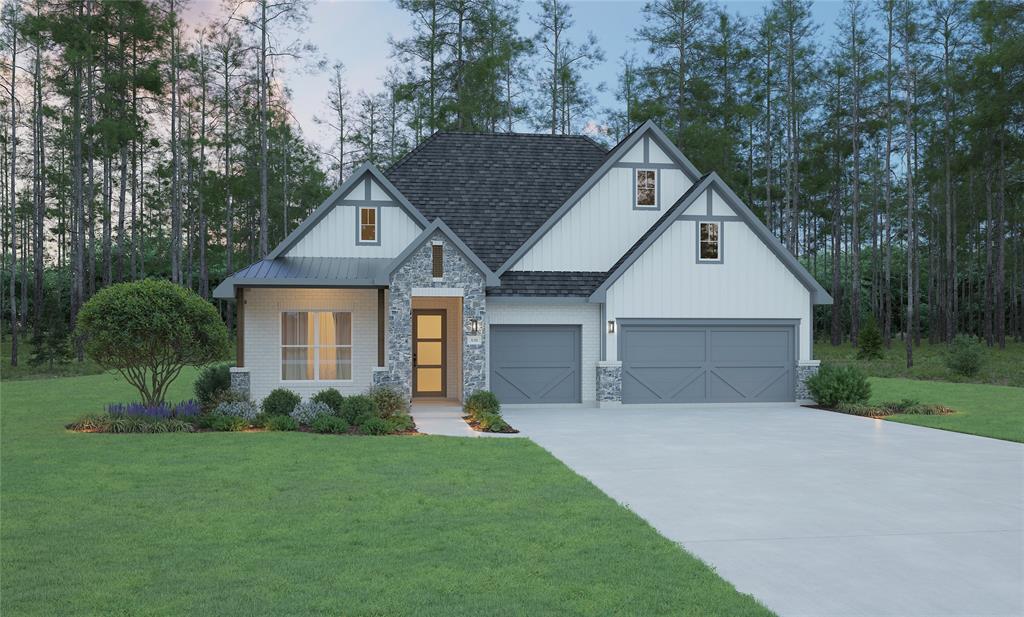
{"x": 900, "y": 406}
{"x": 329, "y": 424}
{"x": 280, "y": 402}
{"x": 305, "y": 413}
{"x": 91, "y": 422}
{"x": 869, "y": 342}
{"x": 373, "y": 426}
{"x": 928, "y": 409}
{"x": 481, "y": 402}
{"x": 833, "y": 385}
{"x": 148, "y": 331}
{"x": 330, "y": 397}
{"x": 399, "y": 423}
{"x": 281, "y": 423}
{"x": 857, "y": 409}
{"x": 223, "y": 396}
{"x": 390, "y": 402}
{"x": 212, "y": 381}
{"x": 358, "y": 409}
{"x": 492, "y": 423}
{"x": 187, "y": 409}
{"x": 158, "y": 410}
{"x": 246, "y": 410}
{"x": 228, "y": 423}
{"x": 965, "y": 355}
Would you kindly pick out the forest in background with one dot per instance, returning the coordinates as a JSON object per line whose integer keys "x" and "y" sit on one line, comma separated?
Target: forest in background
{"x": 888, "y": 159}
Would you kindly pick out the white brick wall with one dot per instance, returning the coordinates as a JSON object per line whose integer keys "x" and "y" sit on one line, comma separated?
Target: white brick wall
{"x": 506, "y": 312}
{"x": 263, "y": 309}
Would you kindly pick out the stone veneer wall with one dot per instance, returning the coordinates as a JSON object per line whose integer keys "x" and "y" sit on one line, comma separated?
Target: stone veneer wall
{"x": 459, "y": 272}
{"x": 240, "y": 381}
{"x": 609, "y": 382}
{"x": 803, "y": 373}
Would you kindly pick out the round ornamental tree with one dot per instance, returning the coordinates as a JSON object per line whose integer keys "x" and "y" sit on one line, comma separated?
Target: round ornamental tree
{"x": 149, "y": 330}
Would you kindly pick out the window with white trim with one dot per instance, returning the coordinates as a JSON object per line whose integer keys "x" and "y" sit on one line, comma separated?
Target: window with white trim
{"x": 710, "y": 242}
{"x": 367, "y": 224}
{"x": 316, "y": 346}
{"x": 646, "y": 188}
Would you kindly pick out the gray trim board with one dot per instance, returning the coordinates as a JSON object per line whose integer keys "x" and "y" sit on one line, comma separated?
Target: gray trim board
{"x": 712, "y": 180}
{"x": 491, "y": 279}
{"x": 536, "y": 300}
{"x": 648, "y": 128}
{"x": 701, "y": 217}
{"x": 622, "y": 165}
{"x": 358, "y": 175}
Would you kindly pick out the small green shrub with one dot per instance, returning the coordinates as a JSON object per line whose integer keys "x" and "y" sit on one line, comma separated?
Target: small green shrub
{"x": 92, "y": 422}
{"x": 373, "y": 426}
{"x": 965, "y": 355}
{"x": 211, "y": 382}
{"x": 329, "y": 424}
{"x": 492, "y": 423}
{"x": 400, "y": 423}
{"x": 281, "y": 423}
{"x": 928, "y": 409}
{"x": 330, "y": 397}
{"x": 246, "y": 410}
{"x": 833, "y": 385}
{"x": 358, "y": 409}
{"x": 857, "y": 409}
{"x": 869, "y": 342}
{"x": 280, "y": 402}
{"x": 223, "y": 396}
{"x": 481, "y": 402}
{"x": 390, "y": 402}
{"x": 305, "y": 413}
{"x": 900, "y": 406}
{"x": 224, "y": 423}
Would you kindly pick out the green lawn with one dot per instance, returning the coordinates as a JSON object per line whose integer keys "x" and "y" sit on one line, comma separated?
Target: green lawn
{"x": 300, "y": 524}
{"x": 1004, "y": 367}
{"x": 990, "y": 411}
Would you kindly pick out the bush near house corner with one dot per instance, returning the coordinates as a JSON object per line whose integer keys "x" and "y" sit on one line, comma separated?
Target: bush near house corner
{"x": 213, "y": 384}
{"x": 280, "y": 402}
{"x": 836, "y": 385}
{"x": 483, "y": 411}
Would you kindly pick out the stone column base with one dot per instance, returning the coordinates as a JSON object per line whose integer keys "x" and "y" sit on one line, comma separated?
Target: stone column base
{"x": 804, "y": 371}
{"x": 609, "y": 384}
{"x": 240, "y": 381}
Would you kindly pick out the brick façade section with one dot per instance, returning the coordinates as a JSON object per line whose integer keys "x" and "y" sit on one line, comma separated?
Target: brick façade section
{"x": 459, "y": 272}
{"x": 803, "y": 373}
{"x": 609, "y": 382}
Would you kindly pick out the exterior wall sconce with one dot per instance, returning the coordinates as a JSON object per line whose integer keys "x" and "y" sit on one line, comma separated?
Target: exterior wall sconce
{"x": 474, "y": 326}
{"x": 611, "y": 326}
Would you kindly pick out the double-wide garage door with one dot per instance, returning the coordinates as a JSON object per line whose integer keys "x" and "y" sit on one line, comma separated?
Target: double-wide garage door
{"x": 535, "y": 364}
{"x": 693, "y": 363}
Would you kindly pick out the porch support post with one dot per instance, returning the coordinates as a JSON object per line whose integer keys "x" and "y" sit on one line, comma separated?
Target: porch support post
{"x": 240, "y": 327}
{"x": 380, "y": 327}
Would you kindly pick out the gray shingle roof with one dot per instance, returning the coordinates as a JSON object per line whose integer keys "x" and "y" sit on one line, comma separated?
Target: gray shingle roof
{"x": 495, "y": 189}
{"x": 544, "y": 284}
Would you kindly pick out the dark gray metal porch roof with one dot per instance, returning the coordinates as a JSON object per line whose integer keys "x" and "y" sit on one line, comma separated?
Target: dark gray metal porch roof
{"x": 308, "y": 272}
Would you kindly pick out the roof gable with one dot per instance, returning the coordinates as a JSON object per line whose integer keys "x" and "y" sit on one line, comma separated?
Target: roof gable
{"x": 490, "y": 279}
{"x": 364, "y": 171}
{"x": 647, "y": 130}
{"x": 709, "y": 182}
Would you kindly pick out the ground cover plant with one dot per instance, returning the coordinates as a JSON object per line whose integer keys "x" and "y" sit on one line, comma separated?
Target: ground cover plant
{"x": 273, "y": 523}
{"x": 483, "y": 413}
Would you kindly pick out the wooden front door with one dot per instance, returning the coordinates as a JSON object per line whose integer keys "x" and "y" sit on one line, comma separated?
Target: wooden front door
{"x": 429, "y": 349}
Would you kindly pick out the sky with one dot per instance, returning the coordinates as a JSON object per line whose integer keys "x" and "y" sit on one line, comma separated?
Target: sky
{"x": 356, "y": 32}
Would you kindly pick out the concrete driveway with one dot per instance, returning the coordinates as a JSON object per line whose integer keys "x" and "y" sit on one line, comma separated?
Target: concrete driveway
{"x": 812, "y": 512}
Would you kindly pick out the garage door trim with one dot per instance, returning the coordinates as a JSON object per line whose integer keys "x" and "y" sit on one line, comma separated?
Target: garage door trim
{"x": 577, "y": 331}
{"x": 792, "y": 325}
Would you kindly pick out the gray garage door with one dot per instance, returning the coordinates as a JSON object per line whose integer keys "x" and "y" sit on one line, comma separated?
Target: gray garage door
{"x": 535, "y": 364}
{"x": 676, "y": 363}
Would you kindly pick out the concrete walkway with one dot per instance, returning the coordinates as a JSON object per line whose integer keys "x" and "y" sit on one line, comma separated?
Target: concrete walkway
{"x": 445, "y": 418}
{"x": 814, "y": 513}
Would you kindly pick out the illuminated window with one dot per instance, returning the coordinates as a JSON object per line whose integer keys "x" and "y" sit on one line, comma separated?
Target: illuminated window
{"x": 367, "y": 224}
{"x": 316, "y": 346}
{"x": 646, "y": 188}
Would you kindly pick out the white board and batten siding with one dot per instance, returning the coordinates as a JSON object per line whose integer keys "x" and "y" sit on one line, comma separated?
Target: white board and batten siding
{"x": 335, "y": 235}
{"x": 603, "y": 224}
{"x": 587, "y": 316}
{"x": 263, "y": 308}
{"x": 667, "y": 282}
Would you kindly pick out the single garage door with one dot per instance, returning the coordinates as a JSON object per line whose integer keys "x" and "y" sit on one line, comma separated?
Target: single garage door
{"x": 692, "y": 363}
{"x": 535, "y": 364}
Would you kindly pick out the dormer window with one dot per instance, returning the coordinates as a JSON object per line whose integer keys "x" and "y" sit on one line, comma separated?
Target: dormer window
{"x": 646, "y": 188}
{"x": 368, "y": 226}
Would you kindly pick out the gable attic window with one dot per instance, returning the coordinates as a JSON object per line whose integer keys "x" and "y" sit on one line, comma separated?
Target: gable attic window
{"x": 437, "y": 261}
{"x": 368, "y": 225}
{"x": 646, "y": 188}
{"x": 710, "y": 242}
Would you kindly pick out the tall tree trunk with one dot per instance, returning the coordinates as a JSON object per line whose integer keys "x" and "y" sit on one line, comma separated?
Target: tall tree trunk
{"x": 855, "y": 205}
{"x": 175, "y": 155}
{"x": 264, "y": 85}
{"x": 999, "y": 318}
{"x": 13, "y": 199}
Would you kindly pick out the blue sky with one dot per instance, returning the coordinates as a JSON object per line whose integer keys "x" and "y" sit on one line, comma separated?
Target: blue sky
{"x": 356, "y": 32}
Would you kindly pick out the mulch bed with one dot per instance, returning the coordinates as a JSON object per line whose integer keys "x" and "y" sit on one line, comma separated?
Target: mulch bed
{"x": 476, "y": 427}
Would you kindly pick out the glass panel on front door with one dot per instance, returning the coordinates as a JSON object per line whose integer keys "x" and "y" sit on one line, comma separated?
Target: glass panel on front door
{"x": 428, "y": 354}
